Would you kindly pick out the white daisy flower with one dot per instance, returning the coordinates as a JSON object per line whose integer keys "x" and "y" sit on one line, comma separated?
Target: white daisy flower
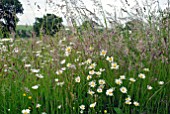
{"x": 92, "y": 66}
{"x": 27, "y": 65}
{"x": 103, "y": 53}
{"x": 101, "y": 70}
{"x": 35, "y": 87}
{"x": 114, "y": 65}
{"x": 99, "y": 90}
{"x": 161, "y": 82}
{"x": 102, "y": 82}
{"x": 123, "y": 89}
{"x": 68, "y": 65}
{"x": 128, "y": 98}
{"x": 136, "y": 103}
{"x": 35, "y": 70}
{"x": 98, "y": 73}
{"x": 146, "y": 69}
{"x": 142, "y": 76}
{"x": 89, "y": 77}
{"x": 59, "y": 72}
{"x": 82, "y": 107}
{"x": 89, "y": 61}
{"x": 132, "y": 80}
{"x": 77, "y": 79}
{"x": 59, "y": 106}
{"x": 90, "y": 92}
{"x": 25, "y": 111}
{"x": 38, "y": 105}
{"x": 109, "y": 92}
{"x": 92, "y": 84}
{"x": 128, "y": 102}
{"x": 110, "y": 59}
{"x": 118, "y": 81}
{"x": 122, "y": 77}
{"x": 39, "y": 75}
{"x": 91, "y": 72}
{"x": 149, "y": 87}
{"x": 56, "y": 80}
{"x": 63, "y": 62}
{"x": 68, "y": 49}
{"x": 93, "y": 105}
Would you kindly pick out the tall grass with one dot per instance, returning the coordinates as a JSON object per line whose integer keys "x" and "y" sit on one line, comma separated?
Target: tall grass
{"x": 75, "y": 73}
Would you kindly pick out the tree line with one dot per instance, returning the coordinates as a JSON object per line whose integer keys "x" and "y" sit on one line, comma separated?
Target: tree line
{"x": 49, "y": 24}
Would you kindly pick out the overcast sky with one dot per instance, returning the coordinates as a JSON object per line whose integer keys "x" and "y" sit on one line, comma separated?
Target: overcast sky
{"x": 32, "y": 9}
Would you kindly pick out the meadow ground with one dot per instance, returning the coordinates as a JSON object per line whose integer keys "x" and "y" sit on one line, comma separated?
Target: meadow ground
{"x": 24, "y": 27}
{"x": 87, "y": 74}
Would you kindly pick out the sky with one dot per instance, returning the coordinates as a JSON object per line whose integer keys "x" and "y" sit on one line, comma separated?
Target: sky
{"x": 37, "y": 8}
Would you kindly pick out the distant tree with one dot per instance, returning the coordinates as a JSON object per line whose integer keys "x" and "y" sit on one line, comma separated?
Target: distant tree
{"x": 8, "y": 18}
{"x": 48, "y": 25}
{"x": 23, "y": 33}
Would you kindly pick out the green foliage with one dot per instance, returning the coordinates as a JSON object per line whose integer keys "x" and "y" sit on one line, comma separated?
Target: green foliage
{"x": 24, "y": 27}
{"x": 8, "y": 18}
{"x": 118, "y": 110}
{"x": 24, "y": 31}
{"x": 48, "y": 25}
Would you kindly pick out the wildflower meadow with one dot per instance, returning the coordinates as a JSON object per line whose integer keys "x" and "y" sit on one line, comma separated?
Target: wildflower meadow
{"x": 88, "y": 71}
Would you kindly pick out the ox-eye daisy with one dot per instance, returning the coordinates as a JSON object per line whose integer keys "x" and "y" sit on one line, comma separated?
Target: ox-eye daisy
{"x": 123, "y": 89}
{"x": 146, "y": 69}
{"x": 38, "y": 105}
{"x": 142, "y": 76}
{"x": 92, "y": 66}
{"x": 118, "y": 81}
{"x": 82, "y": 107}
{"x": 109, "y": 92}
{"x": 161, "y": 82}
{"x": 122, "y": 77}
{"x": 128, "y": 102}
{"x": 92, "y": 84}
{"x": 35, "y": 87}
{"x": 136, "y": 103}
{"x": 63, "y": 61}
{"x": 89, "y": 61}
{"x": 59, "y": 72}
{"x": 68, "y": 49}
{"x": 110, "y": 59}
{"x": 102, "y": 82}
{"x": 91, "y": 72}
{"x": 103, "y": 53}
{"x": 132, "y": 80}
{"x": 35, "y": 70}
{"x": 90, "y": 92}
{"x": 93, "y": 105}
{"x": 99, "y": 90}
{"x": 114, "y": 65}
{"x": 149, "y": 87}
{"x": 25, "y": 111}
{"x": 128, "y": 98}
{"x": 77, "y": 79}
{"x": 89, "y": 77}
